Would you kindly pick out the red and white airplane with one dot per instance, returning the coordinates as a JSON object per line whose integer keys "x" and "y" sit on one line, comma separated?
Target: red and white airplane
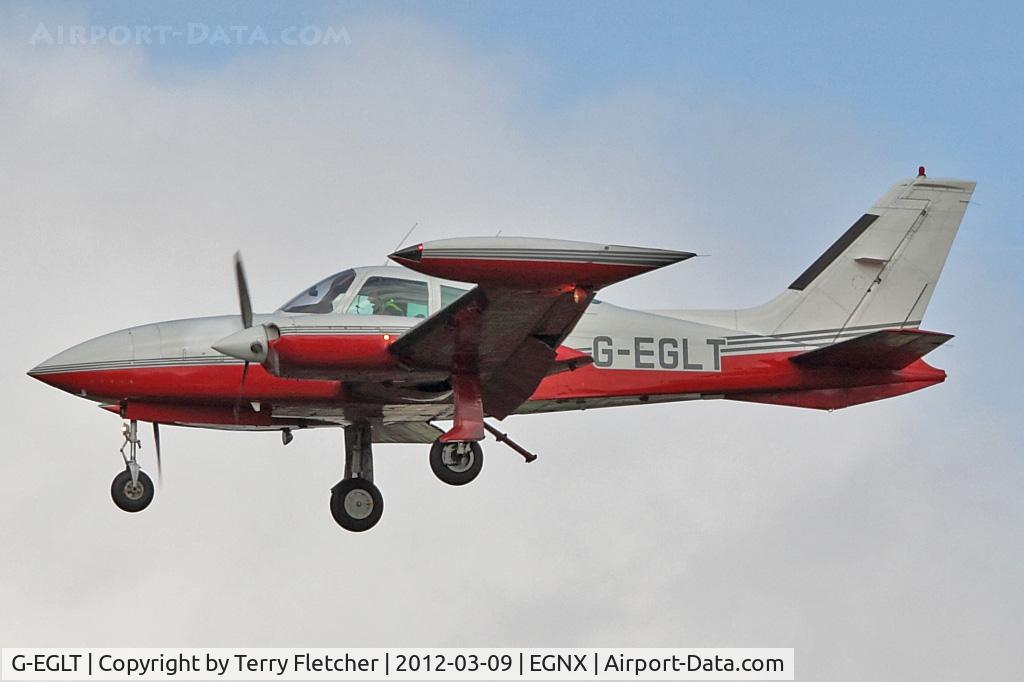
{"x": 385, "y": 352}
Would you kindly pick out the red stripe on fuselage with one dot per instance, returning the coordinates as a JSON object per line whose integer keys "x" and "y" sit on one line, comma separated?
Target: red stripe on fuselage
{"x": 219, "y": 384}
{"x": 201, "y": 384}
{"x": 740, "y": 374}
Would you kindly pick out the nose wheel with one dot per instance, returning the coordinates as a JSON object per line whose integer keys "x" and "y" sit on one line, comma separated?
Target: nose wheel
{"x": 132, "y": 490}
{"x": 132, "y": 496}
{"x": 456, "y": 463}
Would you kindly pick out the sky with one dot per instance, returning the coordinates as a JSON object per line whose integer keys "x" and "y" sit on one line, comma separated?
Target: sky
{"x": 881, "y": 542}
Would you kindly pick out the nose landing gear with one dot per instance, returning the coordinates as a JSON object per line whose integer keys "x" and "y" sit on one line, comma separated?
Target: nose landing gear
{"x": 132, "y": 495}
{"x": 132, "y": 490}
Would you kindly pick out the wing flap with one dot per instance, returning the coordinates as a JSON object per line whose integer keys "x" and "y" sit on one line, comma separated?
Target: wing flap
{"x": 483, "y": 328}
{"x": 505, "y": 390}
{"x": 891, "y": 349}
{"x": 507, "y": 337}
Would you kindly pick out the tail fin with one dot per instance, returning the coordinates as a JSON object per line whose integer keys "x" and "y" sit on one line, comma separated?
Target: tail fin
{"x": 880, "y": 273}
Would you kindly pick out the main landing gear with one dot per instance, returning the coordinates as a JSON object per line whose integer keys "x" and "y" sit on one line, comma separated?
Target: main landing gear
{"x": 460, "y": 462}
{"x": 356, "y": 503}
{"x": 132, "y": 490}
{"x": 456, "y": 463}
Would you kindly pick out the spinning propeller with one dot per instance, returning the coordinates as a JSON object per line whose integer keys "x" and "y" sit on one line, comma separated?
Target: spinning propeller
{"x": 243, "y": 291}
{"x": 252, "y": 342}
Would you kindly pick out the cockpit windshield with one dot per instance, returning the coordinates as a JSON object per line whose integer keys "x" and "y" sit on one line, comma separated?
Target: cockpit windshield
{"x": 322, "y": 296}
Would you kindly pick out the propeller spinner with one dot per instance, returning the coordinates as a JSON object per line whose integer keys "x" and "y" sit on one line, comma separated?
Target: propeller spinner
{"x": 251, "y": 342}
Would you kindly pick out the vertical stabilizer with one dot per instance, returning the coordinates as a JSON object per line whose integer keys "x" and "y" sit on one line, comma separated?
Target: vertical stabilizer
{"x": 880, "y": 273}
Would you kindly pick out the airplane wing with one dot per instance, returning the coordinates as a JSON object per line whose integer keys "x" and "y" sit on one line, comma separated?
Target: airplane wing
{"x": 506, "y": 336}
{"x": 405, "y": 432}
{"x": 502, "y": 338}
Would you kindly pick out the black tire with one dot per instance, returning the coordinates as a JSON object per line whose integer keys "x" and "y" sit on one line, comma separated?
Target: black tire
{"x": 356, "y": 504}
{"x": 454, "y": 463}
{"x": 128, "y": 499}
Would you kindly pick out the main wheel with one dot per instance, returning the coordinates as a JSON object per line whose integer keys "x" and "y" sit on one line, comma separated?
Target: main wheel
{"x": 356, "y": 504}
{"x": 131, "y": 497}
{"x": 456, "y": 463}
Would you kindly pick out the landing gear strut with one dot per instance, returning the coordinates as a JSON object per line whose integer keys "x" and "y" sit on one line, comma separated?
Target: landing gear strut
{"x": 460, "y": 462}
{"x": 356, "y": 503}
{"x": 132, "y": 490}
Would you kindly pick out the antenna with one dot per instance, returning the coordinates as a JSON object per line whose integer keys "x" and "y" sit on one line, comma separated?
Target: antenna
{"x": 402, "y": 241}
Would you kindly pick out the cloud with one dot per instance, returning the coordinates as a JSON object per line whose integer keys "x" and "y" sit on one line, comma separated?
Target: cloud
{"x": 878, "y": 541}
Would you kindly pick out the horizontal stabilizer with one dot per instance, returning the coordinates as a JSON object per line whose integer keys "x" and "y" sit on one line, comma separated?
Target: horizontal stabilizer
{"x": 887, "y": 349}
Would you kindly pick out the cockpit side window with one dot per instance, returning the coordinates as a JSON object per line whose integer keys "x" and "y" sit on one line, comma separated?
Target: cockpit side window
{"x": 322, "y": 296}
{"x": 391, "y": 296}
{"x": 451, "y": 294}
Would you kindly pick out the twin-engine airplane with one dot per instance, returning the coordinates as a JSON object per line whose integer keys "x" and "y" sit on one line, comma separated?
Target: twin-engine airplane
{"x": 384, "y": 352}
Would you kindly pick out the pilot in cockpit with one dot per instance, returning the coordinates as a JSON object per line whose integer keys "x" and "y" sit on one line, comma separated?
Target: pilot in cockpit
{"x": 386, "y": 305}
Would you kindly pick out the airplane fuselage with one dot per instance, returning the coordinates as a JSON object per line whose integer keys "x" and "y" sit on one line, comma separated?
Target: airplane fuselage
{"x": 168, "y": 371}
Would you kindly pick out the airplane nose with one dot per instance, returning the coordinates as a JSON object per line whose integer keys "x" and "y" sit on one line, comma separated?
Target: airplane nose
{"x": 67, "y": 370}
